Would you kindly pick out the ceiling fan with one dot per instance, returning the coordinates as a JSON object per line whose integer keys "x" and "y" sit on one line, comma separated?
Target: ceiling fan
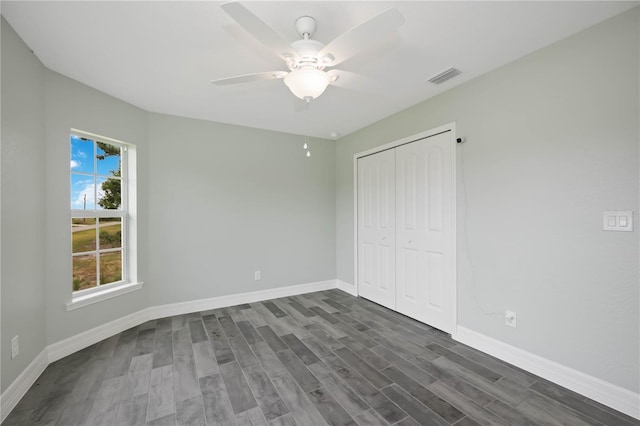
{"x": 309, "y": 61}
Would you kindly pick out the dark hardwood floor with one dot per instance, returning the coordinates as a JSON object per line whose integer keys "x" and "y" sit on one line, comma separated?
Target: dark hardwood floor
{"x": 314, "y": 359}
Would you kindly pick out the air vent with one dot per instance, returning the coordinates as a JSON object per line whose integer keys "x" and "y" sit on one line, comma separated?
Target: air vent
{"x": 444, "y": 76}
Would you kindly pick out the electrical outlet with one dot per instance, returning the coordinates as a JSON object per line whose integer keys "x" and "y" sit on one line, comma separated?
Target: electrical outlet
{"x": 257, "y": 276}
{"x": 15, "y": 347}
{"x": 510, "y": 318}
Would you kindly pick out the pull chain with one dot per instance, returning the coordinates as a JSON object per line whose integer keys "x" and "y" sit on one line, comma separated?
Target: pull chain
{"x": 306, "y": 138}
{"x": 306, "y": 146}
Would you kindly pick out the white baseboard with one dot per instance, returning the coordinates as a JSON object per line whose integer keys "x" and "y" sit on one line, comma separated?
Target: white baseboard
{"x": 599, "y": 390}
{"x": 606, "y": 393}
{"x": 87, "y": 338}
{"x": 347, "y": 287}
{"x": 58, "y": 350}
{"x": 14, "y": 393}
{"x": 237, "y": 299}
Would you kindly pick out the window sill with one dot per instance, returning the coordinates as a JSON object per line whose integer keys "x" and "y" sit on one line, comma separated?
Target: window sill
{"x": 89, "y": 299}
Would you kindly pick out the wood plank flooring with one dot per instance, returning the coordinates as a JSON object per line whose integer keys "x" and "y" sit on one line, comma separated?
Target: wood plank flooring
{"x": 314, "y": 359}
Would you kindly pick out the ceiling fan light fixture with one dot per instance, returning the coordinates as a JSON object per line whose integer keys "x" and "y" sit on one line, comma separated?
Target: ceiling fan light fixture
{"x": 307, "y": 83}
{"x": 307, "y": 48}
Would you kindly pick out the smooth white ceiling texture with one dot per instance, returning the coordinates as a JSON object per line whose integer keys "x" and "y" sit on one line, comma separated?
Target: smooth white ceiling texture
{"x": 161, "y": 56}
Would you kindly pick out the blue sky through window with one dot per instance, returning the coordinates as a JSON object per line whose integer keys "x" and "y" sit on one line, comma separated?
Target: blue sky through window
{"x": 87, "y": 171}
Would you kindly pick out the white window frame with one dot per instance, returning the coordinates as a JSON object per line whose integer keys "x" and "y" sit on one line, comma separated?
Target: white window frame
{"x": 128, "y": 215}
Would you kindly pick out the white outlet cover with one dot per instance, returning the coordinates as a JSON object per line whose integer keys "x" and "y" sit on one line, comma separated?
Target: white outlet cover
{"x": 510, "y": 318}
{"x": 617, "y": 220}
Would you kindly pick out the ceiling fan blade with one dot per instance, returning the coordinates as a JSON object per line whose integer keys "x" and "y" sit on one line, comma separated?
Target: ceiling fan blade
{"x": 258, "y": 29}
{"x": 359, "y": 83}
{"x": 365, "y": 34}
{"x": 248, "y": 78}
{"x": 352, "y": 81}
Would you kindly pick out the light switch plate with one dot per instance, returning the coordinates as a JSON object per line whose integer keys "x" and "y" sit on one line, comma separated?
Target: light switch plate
{"x": 617, "y": 220}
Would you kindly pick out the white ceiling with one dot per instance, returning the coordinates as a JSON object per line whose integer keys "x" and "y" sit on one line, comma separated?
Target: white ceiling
{"x": 161, "y": 56}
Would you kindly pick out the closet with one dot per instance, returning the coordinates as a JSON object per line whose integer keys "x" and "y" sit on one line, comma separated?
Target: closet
{"x": 406, "y": 229}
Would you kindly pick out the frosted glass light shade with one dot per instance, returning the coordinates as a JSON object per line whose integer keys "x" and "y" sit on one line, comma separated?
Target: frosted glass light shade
{"x": 307, "y": 83}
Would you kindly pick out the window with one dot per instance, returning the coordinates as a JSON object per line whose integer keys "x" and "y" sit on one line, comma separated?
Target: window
{"x": 100, "y": 213}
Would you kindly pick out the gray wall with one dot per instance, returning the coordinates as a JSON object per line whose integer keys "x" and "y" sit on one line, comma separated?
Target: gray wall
{"x": 552, "y": 142}
{"x": 70, "y": 104}
{"x": 23, "y": 206}
{"x": 225, "y": 201}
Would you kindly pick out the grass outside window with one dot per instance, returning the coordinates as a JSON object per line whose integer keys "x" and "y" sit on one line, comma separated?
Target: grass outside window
{"x": 93, "y": 241}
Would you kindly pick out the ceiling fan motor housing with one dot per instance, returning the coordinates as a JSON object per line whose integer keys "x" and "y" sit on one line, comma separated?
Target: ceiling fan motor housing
{"x": 308, "y": 50}
{"x": 306, "y": 26}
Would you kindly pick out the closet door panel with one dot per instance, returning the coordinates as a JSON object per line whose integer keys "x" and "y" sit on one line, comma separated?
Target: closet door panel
{"x": 376, "y": 228}
{"x": 411, "y": 276}
{"x": 423, "y": 231}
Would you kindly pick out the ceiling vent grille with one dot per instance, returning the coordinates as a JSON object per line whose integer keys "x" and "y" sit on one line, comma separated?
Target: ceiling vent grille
{"x": 444, "y": 76}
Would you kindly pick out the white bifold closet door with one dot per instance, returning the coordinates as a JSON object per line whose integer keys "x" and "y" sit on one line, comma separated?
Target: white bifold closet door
{"x": 423, "y": 231}
{"x": 416, "y": 278}
{"x": 377, "y": 228}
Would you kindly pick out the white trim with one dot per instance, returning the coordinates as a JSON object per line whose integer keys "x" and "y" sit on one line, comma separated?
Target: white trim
{"x": 355, "y": 223}
{"x": 237, "y": 299}
{"x": 454, "y": 227}
{"x": 94, "y": 136}
{"x": 87, "y": 338}
{"x": 63, "y": 348}
{"x": 606, "y": 393}
{"x": 90, "y": 337}
{"x": 10, "y": 397}
{"x": 14, "y": 393}
{"x": 451, "y": 127}
{"x": 79, "y": 301}
{"x": 347, "y": 287}
{"x": 596, "y": 389}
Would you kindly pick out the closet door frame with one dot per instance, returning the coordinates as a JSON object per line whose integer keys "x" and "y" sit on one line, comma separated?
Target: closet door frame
{"x": 451, "y": 127}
